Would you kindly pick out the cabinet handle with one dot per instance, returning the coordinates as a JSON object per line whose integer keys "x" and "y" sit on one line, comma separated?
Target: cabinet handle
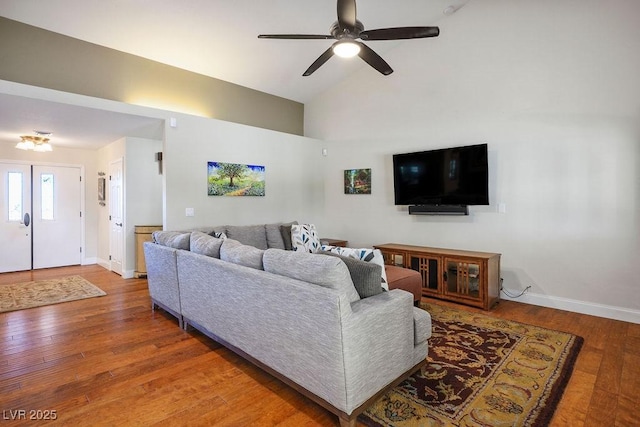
{"x": 444, "y": 275}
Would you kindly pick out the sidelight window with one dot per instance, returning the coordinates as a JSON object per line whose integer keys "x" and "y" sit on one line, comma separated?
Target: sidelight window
{"x": 14, "y": 196}
{"x": 46, "y": 185}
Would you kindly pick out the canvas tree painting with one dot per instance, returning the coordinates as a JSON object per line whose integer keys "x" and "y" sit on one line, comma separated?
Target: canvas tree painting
{"x": 234, "y": 179}
{"x": 357, "y": 181}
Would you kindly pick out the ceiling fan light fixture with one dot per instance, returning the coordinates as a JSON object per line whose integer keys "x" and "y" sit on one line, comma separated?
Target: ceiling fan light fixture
{"x": 349, "y": 34}
{"x": 346, "y": 48}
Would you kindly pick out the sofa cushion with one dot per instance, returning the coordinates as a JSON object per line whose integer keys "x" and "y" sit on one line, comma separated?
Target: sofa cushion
{"x": 322, "y": 270}
{"x": 253, "y": 235}
{"x": 203, "y": 243}
{"x": 172, "y": 239}
{"x": 406, "y": 279}
{"x": 237, "y": 253}
{"x": 274, "y": 236}
{"x": 304, "y": 237}
{"x": 365, "y": 275}
{"x": 364, "y": 254}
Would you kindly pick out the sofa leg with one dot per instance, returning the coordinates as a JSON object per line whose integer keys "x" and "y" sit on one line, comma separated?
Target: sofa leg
{"x": 344, "y": 422}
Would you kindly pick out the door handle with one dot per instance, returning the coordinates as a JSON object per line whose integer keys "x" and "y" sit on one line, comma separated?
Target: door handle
{"x": 26, "y": 220}
{"x": 119, "y": 224}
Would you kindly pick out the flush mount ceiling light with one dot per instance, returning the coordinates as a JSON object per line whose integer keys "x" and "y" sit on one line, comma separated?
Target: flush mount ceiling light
{"x": 38, "y": 142}
{"x": 346, "y": 48}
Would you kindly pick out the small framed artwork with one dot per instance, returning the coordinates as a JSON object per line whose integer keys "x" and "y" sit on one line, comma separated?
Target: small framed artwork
{"x": 101, "y": 189}
{"x": 357, "y": 181}
{"x": 234, "y": 179}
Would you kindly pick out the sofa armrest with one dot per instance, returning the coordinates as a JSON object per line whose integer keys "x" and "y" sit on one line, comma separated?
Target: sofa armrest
{"x": 421, "y": 325}
{"x": 378, "y": 340}
{"x": 162, "y": 276}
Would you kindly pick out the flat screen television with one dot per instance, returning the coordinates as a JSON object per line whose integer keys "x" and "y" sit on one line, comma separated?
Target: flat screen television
{"x": 457, "y": 176}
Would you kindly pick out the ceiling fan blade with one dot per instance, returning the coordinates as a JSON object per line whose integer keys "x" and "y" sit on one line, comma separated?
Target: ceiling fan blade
{"x": 347, "y": 13}
{"x": 373, "y": 59}
{"x": 296, "y": 36}
{"x": 318, "y": 62}
{"x": 400, "y": 33}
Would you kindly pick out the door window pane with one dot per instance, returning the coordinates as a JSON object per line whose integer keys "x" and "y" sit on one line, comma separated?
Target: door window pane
{"x": 46, "y": 185}
{"x": 14, "y": 192}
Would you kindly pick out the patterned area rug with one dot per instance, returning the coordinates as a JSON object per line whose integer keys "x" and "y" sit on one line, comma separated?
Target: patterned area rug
{"x": 481, "y": 371}
{"x": 19, "y": 296}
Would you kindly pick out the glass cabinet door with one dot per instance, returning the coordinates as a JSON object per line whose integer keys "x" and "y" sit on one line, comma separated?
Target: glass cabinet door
{"x": 393, "y": 258}
{"x": 428, "y": 268}
{"x": 462, "y": 278}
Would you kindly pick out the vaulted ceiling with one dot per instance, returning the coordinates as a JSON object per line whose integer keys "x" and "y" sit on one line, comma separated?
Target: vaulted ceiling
{"x": 216, "y": 38}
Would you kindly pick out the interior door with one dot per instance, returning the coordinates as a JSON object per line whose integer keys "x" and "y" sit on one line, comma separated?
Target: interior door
{"x": 116, "y": 216}
{"x": 15, "y": 219}
{"x": 57, "y": 216}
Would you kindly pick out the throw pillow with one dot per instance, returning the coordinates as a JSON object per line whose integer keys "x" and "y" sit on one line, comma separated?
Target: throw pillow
{"x": 203, "y": 243}
{"x": 304, "y": 237}
{"x": 275, "y": 238}
{"x": 237, "y": 253}
{"x": 365, "y": 275}
{"x": 285, "y": 230}
{"x": 254, "y": 235}
{"x": 328, "y": 272}
{"x": 364, "y": 254}
{"x": 218, "y": 234}
{"x": 172, "y": 239}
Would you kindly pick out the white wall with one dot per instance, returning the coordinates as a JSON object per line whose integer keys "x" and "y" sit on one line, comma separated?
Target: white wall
{"x": 294, "y": 182}
{"x": 553, "y": 88}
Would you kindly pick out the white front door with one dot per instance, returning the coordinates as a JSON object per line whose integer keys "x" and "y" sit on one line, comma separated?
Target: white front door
{"x": 15, "y": 218}
{"x": 57, "y": 216}
{"x": 40, "y": 222}
{"x": 116, "y": 216}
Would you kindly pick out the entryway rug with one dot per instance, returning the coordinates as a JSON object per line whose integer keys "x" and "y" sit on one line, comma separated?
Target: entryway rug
{"x": 19, "y": 296}
{"x": 481, "y": 371}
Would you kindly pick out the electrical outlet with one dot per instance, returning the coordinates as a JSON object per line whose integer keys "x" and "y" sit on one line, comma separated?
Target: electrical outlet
{"x": 190, "y": 212}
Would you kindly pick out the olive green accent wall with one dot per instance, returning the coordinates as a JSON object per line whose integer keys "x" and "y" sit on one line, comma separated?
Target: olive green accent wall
{"x": 37, "y": 57}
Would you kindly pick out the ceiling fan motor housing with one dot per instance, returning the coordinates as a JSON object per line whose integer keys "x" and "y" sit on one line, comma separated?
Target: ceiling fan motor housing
{"x": 339, "y": 32}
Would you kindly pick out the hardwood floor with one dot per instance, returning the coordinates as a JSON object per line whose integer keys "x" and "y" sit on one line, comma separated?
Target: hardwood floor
{"x": 111, "y": 361}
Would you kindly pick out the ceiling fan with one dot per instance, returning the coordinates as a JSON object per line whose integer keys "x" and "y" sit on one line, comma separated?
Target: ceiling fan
{"x": 347, "y": 30}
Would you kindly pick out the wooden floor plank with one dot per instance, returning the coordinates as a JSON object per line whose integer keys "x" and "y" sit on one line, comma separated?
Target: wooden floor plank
{"x": 112, "y": 361}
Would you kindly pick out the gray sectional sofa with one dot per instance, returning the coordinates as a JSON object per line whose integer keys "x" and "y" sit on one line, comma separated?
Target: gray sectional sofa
{"x": 297, "y": 315}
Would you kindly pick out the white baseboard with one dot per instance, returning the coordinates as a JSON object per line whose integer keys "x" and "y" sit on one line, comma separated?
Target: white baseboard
{"x": 126, "y": 274}
{"x": 103, "y": 263}
{"x": 89, "y": 261}
{"x": 576, "y": 306}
